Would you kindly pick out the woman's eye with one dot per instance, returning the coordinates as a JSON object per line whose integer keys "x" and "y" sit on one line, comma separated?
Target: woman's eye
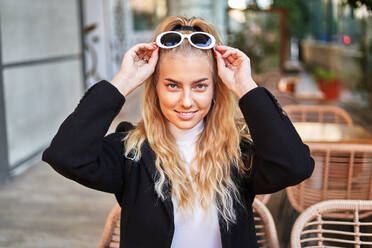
{"x": 172, "y": 86}
{"x": 201, "y": 86}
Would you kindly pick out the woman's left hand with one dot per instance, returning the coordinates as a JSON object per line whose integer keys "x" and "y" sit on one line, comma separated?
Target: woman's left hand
{"x": 234, "y": 69}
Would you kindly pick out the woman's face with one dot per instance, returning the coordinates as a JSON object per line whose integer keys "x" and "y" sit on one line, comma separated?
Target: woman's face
{"x": 185, "y": 89}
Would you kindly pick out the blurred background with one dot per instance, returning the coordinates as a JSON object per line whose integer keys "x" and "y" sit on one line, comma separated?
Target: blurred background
{"x": 304, "y": 51}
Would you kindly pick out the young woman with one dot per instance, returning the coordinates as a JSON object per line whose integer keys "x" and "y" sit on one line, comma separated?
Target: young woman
{"x": 186, "y": 175}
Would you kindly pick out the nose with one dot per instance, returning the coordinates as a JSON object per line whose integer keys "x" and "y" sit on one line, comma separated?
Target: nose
{"x": 186, "y": 99}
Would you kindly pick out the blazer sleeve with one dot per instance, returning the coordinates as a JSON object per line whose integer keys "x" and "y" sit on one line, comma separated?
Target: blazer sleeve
{"x": 80, "y": 150}
{"x": 280, "y": 158}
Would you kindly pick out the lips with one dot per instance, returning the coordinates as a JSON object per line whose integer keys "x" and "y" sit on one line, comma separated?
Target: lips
{"x": 186, "y": 115}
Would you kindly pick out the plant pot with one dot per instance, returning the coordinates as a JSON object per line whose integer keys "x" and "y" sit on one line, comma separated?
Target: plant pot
{"x": 290, "y": 87}
{"x": 330, "y": 88}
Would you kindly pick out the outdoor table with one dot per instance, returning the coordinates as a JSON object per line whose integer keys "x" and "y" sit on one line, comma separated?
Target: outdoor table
{"x": 315, "y": 132}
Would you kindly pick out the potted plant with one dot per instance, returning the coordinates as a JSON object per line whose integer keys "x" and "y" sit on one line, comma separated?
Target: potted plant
{"x": 328, "y": 83}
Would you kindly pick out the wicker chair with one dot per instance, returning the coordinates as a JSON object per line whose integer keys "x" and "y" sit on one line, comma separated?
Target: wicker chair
{"x": 111, "y": 233}
{"x": 266, "y": 233}
{"x": 318, "y": 113}
{"x": 342, "y": 172}
{"x": 264, "y": 198}
{"x": 264, "y": 224}
{"x": 314, "y": 229}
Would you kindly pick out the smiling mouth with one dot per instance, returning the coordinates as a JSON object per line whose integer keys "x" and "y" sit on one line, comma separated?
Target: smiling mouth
{"x": 186, "y": 115}
{"x": 186, "y": 112}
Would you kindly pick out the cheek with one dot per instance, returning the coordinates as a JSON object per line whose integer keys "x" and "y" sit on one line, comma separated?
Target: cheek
{"x": 204, "y": 102}
{"x": 206, "y": 99}
{"x": 166, "y": 100}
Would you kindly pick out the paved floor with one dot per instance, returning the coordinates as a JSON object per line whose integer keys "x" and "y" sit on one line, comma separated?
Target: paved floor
{"x": 41, "y": 209}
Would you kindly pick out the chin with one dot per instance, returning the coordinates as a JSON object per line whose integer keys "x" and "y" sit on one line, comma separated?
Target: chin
{"x": 186, "y": 125}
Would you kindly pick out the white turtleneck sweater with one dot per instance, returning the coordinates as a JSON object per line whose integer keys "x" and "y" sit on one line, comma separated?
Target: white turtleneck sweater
{"x": 201, "y": 229}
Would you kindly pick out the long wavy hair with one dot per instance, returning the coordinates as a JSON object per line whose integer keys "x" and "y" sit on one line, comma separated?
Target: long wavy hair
{"x": 217, "y": 145}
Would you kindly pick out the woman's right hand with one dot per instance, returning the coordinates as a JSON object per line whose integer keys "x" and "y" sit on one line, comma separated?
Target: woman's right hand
{"x": 138, "y": 64}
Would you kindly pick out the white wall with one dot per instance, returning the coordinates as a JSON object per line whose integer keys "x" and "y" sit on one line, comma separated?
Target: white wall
{"x": 42, "y": 71}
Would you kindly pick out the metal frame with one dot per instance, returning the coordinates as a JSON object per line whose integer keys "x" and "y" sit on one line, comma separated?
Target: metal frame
{"x": 81, "y": 13}
{"x": 4, "y": 161}
{"x": 42, "y": 61}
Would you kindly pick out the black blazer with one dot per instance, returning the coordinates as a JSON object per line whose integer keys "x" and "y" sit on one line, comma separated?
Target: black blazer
{"x": 81, "y": 151}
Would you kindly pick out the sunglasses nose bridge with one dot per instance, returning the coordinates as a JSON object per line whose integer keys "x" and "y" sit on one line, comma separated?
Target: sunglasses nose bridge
{"x": 183, "y": 36}
{"x": 188, "y": 37}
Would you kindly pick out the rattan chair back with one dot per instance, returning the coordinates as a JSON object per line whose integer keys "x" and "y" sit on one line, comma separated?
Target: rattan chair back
{"x": 313, "y": 228}
{"x": 266, "y": 233}
{"x": 111, "y": 233}
{"x": 318, "y": 113}
{"x": 342, "y": 172}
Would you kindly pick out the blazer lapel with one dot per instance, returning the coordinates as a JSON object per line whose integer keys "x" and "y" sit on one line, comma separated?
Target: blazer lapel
{"x": 149, "y": 157}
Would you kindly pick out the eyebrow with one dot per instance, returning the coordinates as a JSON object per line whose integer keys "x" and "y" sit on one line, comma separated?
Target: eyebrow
{"x": 196, "y": 81}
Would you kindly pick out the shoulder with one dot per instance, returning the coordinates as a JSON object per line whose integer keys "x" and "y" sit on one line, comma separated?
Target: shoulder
{"x": 121, "y": 131}
{"x": 124, "y": 127}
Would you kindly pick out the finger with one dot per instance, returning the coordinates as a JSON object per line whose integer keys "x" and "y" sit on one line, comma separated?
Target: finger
{"x": 237, "y": 62}
{"x": 154, "y": 57}
{"x": 140, "y": 54}
{"x": 141, "y": 49}
{"x": 220, "y": 61}
{"x": 144, "y": 52}
{"x": 231, "y": 59}
{"x": 222, "y": 49}
{"x": 230, "y": 56}
{"x": 231, "y": 52}
{"x": 154, "y": 47}
{"x": 145, "y": 46}
{"x": 147, "y": 55}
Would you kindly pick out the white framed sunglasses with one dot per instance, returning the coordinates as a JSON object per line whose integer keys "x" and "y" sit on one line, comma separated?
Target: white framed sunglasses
{"x": 171, "y": 39}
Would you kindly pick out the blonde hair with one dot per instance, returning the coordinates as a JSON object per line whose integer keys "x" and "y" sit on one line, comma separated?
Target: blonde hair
{"x": 217, "y": 145}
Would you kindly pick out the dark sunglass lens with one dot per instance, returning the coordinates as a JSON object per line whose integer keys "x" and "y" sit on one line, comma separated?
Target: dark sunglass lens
{"x": 201, "y": 40}
{"x": 170, "y": 39}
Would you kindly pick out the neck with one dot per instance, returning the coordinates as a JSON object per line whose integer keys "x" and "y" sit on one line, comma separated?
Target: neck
{"x": 186, "y": 135}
